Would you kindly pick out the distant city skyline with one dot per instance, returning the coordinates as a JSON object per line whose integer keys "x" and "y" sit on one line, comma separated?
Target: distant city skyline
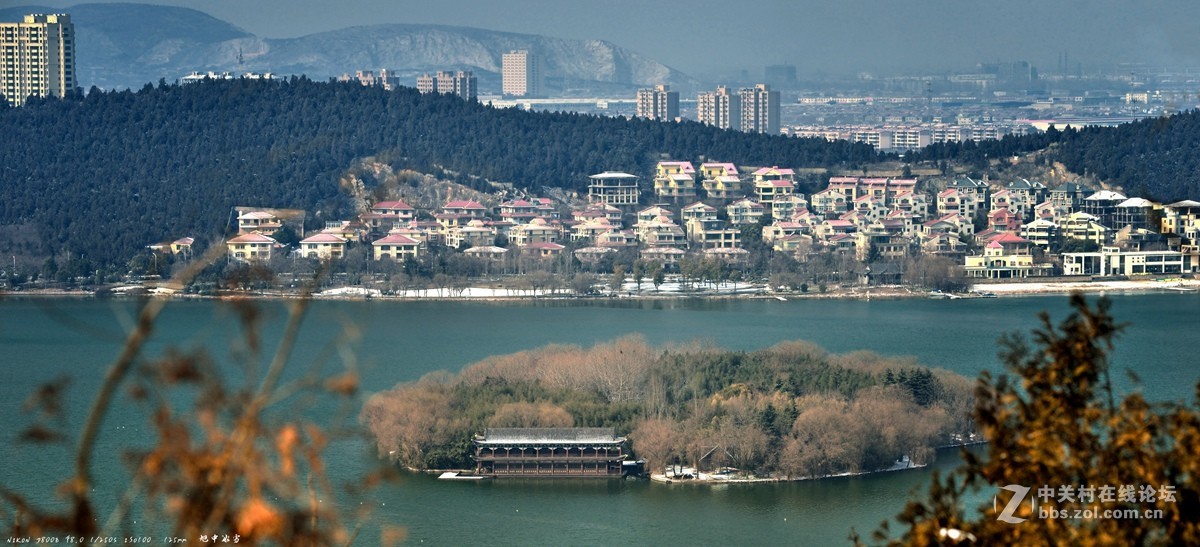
{"x": 845, "y": 37}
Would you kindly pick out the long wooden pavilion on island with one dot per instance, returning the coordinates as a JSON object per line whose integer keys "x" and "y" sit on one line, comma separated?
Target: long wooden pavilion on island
{"x": 549, "y": 452}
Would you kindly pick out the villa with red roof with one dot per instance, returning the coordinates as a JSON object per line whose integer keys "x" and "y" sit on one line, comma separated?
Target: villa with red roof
{"x": 675, "y": 180}
{"x": 720, "y": 181}
{"x": 744, "y": 211}
{"x": 396, "y": 247}
{"x": 323, "y": 246}
{"x": 773, "y": 182}
{"x": 251, "y": 246}
{"x": 1006, "y": 256}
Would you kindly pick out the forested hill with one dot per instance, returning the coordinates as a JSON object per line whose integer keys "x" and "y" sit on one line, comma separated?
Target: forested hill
{"x": 111, "y": 172}
{"x": 1157, "y": 158}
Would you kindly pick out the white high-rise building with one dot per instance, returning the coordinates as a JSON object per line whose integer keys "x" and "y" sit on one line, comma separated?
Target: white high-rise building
{"x": 37, "y": 57}
{"x": 521, "y": 74}
{"x": 760, "y": 109}
{"x": 720, "y": 108}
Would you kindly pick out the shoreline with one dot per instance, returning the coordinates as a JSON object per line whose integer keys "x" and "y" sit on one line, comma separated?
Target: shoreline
{"x": 1049, "y": 286}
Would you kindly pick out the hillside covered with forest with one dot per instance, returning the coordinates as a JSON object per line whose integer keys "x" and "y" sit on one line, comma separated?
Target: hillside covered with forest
{"x": 106, "y": 174}
{"x": 1155, "y": 158}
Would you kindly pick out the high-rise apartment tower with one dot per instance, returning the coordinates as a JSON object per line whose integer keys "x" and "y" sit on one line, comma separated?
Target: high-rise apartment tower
{"x": 521, "y": 74}
{"x": 720, "y": 108}
{"x": 37, "y": 57}
{"x": 760, "y": 109}
{"x": 659, "y": 103}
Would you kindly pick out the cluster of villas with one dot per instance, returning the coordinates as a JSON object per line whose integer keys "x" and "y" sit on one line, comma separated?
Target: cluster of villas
{"x": 995, "y": 230}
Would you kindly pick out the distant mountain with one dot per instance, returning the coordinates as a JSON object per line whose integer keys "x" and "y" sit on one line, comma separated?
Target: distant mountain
{"x": 128, "y": 45}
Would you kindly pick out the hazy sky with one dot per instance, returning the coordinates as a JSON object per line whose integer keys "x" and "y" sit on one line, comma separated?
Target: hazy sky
{"x": 834, "y": 36}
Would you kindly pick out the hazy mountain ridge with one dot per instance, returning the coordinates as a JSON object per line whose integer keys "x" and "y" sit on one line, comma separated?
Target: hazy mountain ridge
{"x": 127, "y": 45}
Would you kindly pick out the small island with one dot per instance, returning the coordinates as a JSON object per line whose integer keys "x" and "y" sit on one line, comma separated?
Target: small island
{"x": 789, "y": 412}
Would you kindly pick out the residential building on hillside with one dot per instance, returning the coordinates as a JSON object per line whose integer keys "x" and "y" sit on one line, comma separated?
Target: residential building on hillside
{"x": 251, "y": 246}
{"x": 1007, "y": 256}
{"x": 712, "y": 234}
{"x": 1133, "y": 212}
{"x": 323, "y": 246}
{"x": 1083, "y": 226}
{"x": 521, "y": 74}
{"x": 614, "y": 188}
{"x": 659, "y": 103}
{"x": 37, "y": 58}
{"x": 720, "y": 109}
{"x": 537, "y": 230}
{"x": 1103, "y": 206}
{"x": 773, "y": 182}
{"x": 720, "y": 181}
{"x": 744, "y": 212}
{"x": 1042, "y": 233}
{"x": 1181, "y": 218}
{"x": 396, "y": 246}
{"x": 698, "y": 210}
{"x": 675, "y": 181}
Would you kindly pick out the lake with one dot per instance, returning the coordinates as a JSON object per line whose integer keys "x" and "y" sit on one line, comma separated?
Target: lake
{"x": 393, "y": 341}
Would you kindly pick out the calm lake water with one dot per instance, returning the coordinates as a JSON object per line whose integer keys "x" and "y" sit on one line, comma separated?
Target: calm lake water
{"x": 44, "y": 339}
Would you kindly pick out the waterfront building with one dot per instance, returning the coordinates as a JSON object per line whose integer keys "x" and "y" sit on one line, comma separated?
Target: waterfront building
{"x": 720, "y": 108}
{"x": 549, "y": 452}
{"x": 1006, "y": 256}
{"x": 323, "y": 246}
{"x": 537, "y": 230}
{"x": 759, "y": 109}
{"x": 659, "y": 103}
{"x": 37, "y": 58}
{"x": 711, "y": 233}
{"x": 396, "y": 246}
{"x": 614, "y": 188}
{"x": 661, "y": 232}
{"x": 667, "y": 257}
{"x": 251, "y": 246}
{"x": 521, "y": 74}
{"x": 473, "y": 234}
{"x": 1115, "y": 261}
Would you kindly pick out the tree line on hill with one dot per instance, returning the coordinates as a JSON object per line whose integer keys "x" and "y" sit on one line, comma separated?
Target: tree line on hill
{"x": 104, "y": 174}
{"x": 1156, "y": 158}
{"x": 792, "y": 410}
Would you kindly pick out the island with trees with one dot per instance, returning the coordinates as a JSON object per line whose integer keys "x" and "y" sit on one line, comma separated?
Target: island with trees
{"x": 791, "y": 411}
